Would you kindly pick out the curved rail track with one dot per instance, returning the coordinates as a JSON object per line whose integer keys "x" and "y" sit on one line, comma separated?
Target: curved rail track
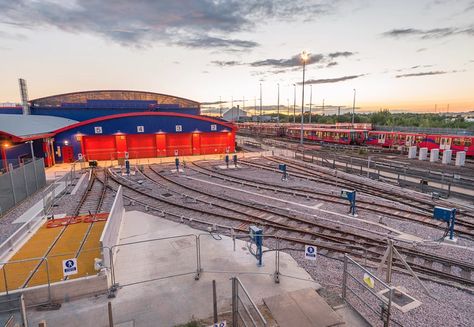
{"x": 170, "y": 197}
{"x": 463, "y": 229}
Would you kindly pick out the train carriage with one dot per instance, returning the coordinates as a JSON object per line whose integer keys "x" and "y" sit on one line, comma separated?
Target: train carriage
{"x": 329, "y": 135}
{"x": 449, "y": 142}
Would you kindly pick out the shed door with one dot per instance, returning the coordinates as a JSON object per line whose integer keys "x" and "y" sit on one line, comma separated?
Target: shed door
{"x": 182, "y": 143}
{"x": 212, "y": 143}
{"x": 100, "y": 147}
{"x": 141, "y": 145}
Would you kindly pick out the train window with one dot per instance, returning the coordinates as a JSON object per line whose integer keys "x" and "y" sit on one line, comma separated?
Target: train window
{"x": 457, "y": 141}
{"x": 437, "y": 140}
{"x": 467, "y": 142}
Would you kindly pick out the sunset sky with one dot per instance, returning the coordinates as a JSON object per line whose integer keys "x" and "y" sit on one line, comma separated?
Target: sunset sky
{"x": 401, "y": 55}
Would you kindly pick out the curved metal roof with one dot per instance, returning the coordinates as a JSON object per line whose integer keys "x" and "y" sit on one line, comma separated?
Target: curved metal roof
{"x": 28, "y": 126}
{"x": 83, "y": 96}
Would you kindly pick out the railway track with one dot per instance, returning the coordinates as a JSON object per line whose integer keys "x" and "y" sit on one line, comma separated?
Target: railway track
{"x": 307, "y": 170}
{"x": 295, "y": 230}
{"x": 89, "y": 198}
{"x": 373, "y": 206}
{"x": 463, "y": 218}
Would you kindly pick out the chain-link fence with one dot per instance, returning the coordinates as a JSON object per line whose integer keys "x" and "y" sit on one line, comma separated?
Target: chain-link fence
{"x": 18, "y": 184}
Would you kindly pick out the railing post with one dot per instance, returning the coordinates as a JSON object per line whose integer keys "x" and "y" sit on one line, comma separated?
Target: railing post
{"x": 235, "y": 304}
{"x": 49, "y": 281}
{"x": 277, "y": 262}
{"x": 5, "y": 277}
{"x": 344, "y": 278}
{"x": 198, "y": 257}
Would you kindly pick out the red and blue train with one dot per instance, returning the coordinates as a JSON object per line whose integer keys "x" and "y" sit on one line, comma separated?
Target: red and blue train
{"x": 363, "y": 135}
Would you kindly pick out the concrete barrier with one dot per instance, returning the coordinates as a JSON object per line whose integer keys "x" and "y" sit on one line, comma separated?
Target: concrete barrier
{"x": 111, "y": 232}
{"x": 447, "y": 156}
{"x": 434, "y": 155}
{"x": 423, "y": 155}
{"x": 67, "y": 290}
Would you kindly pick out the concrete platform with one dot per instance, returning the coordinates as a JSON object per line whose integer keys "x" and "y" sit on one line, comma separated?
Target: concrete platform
{"x": 303, "y": 308}
{"x": 147, "y": 300}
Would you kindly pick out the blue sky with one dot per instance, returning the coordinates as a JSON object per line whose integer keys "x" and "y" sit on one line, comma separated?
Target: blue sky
{"x": 409, "y": 55}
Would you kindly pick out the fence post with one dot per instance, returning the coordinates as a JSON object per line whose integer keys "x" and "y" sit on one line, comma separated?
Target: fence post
{"x": 277, "y": 262}
{"x": 198, "y": 258}
{"x": 36, "y": 174}
{"x": 26, "y": 182}
{"x": 5, "y": 277}
{"x": 214, "y": 299}
{"x": 111, "y": 318}
{"x": 49, "y": 280}
{"x": 24, "y": 318}
{"x": 235, "y": 308}
{"x": 344, "y": 278}
{"x": 13, "y": 186}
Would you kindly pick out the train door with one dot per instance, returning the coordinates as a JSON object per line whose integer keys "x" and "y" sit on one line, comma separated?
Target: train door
{"x": 381, "y": 139}
{"x": 445, "y": 143}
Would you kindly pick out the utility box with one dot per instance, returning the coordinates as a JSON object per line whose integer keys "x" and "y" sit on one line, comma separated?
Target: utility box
{"x": 460, "y": 158}
{"x": 412, "y": 152}
{"x": 443, "y": 214}
{"x": 423, "y": 155}
{"x": 447, "y": 154}
{"x": 434, "y": 155}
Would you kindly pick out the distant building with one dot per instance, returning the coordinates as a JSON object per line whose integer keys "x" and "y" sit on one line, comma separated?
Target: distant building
{"x": 234, "y": 114}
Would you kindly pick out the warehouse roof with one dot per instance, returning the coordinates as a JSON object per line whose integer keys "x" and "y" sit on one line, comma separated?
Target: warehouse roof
{"x": 25, "y": 127}
{"x": 83, "y": 96}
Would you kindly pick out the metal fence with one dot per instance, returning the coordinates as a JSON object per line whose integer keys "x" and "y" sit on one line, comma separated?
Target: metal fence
{"x": 18, "y": 184}
{"x": 244, "y": 310}
{"x": 366, "y": 297}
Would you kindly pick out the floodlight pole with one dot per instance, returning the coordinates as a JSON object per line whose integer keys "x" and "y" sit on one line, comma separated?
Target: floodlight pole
{"x": 278, "y": 106}
{"x": 310, "y": 100}
{"x": 353, "y": 108}
{"x": 303, "y": 57}
{"x": 294, "y": 104}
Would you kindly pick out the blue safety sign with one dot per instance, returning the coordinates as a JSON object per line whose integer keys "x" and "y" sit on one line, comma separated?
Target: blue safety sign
{"x": 220, "y": 324}
{"x": 310, "y": 252}
{"x": 70, "y": 267}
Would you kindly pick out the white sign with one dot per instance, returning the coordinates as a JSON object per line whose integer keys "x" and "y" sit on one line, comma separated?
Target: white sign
{"x": 310, "y": 252}
{"x": 70, "y": 267}
{"x": 213, "y": 127}
{"x": 223, "y": 323}
{"x": 140, "y": 129}
{"x": 179, "y": 128}
{"x": 98, "y": 129}
{"x": 79, "y": 156}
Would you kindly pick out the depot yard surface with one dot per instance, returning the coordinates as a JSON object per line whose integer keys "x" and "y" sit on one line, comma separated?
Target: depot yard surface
{"x": 59, "y": 243}
{"x": 217, "y": 182}
{"x": 306, "y": 208}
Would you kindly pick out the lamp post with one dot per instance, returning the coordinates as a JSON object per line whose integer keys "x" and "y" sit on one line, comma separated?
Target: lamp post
{"x": 261, "y": 117}
{"x": 304, "y": 57}
{"x": 353, "y": 108}
{"x": 294, "y": 105}
{"x": 288, "y": 110}
{"x": 310, "y": 100}
{"x": 278, "y": 106}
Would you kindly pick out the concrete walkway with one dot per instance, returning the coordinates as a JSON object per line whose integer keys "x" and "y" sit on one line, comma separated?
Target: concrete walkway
{"x": 175, "y": 300}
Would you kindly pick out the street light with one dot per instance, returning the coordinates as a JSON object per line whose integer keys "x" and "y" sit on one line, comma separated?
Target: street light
{"x": 294, "y": 105}
{"x": 278, "y": 106}
{"x": 261, "y": 117}
{"x": 310, "y": 100}
{"x": 353, "y": 108}
{"x": 304, "y": 57}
